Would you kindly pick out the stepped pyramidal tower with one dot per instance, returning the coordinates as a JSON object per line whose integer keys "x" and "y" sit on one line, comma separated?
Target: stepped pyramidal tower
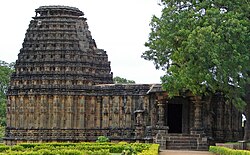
{"x": 62, "y": 90}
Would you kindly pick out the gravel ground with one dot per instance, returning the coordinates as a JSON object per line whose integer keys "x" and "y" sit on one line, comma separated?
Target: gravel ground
{"x": 177, "y": 152}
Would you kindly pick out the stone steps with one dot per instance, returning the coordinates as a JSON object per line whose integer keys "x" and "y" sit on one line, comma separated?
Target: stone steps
{"x": 186, "y": 142}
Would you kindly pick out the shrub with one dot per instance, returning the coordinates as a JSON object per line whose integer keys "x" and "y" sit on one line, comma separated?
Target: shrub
{"x": 40, "y": 147}
{"x": 123, "y": 143}
{"x": 68, "y": 152}
{"x": 58, "y": 144}
{"x": 128, "y": 150}
{"x": 79, "y": 149}
{"x": 98, "y": 152}
{"x": 46, "y": 152}
{"x": 4, "y": 148}
{"x": 139, "y": 147}
{"x": 226, "y": 151}
{"x": 17, "y": 148}
{"x": 102, "y": 139}
{"x": 152, "y": 150}
{"x": 22, "y": 153}
{"x": 29, "y": 145}
{"x": 116, "y": 149}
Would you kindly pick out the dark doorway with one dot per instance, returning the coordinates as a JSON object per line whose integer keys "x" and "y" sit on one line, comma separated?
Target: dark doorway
{"x": 174, "y": 118}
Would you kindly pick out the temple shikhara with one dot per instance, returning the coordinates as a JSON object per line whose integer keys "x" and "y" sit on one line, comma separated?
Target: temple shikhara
{"x": 62, "y": 90}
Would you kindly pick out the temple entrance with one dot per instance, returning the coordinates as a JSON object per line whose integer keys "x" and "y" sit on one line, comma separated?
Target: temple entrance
{"x": 174, "y": 118}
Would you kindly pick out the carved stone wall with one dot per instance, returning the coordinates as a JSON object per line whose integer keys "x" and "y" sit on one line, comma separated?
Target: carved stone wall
{"x": 62, "y": 90}
{"x": 107, "y": 110}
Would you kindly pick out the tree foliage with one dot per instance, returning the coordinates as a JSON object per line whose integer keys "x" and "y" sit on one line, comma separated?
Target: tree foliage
{"x": 203, "y": 45}
{"x": 121, "y": 80}
{"x": 5, "y": 72}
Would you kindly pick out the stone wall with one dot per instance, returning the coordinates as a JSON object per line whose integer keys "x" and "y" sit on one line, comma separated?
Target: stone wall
{"x": 62, "y": 90}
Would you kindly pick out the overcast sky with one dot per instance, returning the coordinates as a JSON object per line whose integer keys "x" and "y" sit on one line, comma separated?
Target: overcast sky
{"x": 120, "y": 27}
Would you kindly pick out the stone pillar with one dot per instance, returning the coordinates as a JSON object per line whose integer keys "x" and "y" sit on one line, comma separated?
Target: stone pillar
{"x": 161, "y": 129}
{"x": 31, "y": 112}
{"x": 21, "y": 112}
{"x": 197, "y": 128}
{"x": 37, "y": 111}
{"x": 69, "y": 112}
{"x": 93, "y": 110}
{"x": 26, "y": 112}
{"x": 228, "y": 123}
{"x": 11, "y": 109}
{"x": 75, "y": 108}
{"x": 160, "y": 121}
{"x": 128, "y": 108}
{"x": 50, "y": 111}
{"x": 63, "y": 111}
{"x": 139, "y": 126}
{"x": 8, "y": 118}
{"x": 105, "y": 112}
{"x": 55, "y": 112}
{"x": 15, "y": 110}
{"x": 43, "y": 109}
{"x": 98, "y": 112}
{"x": 81, "y": 121}
{"x": 220, "y": 119}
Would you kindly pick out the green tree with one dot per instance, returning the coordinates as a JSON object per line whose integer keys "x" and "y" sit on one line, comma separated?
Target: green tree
{"x": 118, "y": 79}
{"x": 5, "y": 72}
{"x": 203, "y": 45}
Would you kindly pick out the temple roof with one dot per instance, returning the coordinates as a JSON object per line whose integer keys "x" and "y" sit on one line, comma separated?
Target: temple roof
{"x": 59, "y": 54}
{"x": 59, "y": 10}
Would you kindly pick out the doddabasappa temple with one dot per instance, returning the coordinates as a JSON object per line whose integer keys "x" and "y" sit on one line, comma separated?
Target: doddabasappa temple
{"x": 62, "y": 90}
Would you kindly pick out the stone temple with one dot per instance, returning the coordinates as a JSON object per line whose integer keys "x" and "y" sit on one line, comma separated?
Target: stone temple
{"x": 62, "y": 90}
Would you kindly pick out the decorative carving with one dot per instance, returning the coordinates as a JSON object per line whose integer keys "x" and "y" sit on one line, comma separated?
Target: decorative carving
{"x": 63, "y": 90}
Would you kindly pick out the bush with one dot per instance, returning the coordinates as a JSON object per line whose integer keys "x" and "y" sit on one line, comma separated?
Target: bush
{"x": 17, "y": 148}
{"x": 123, "y": 143}
{"x": 45, "y": 152}
{"x": 116, "y": 149}
{"x": 68, "y": 152}
{"x": 40, "y": 147}
{"x": 128, "y": 150}
{"x": 29, "y": 145}
{"x": 152, "y": 150}
{"x": 102, "y": 139}
{"x": 226, "y": 151}
{"x": 79, "y": 149}
{"x": 98, "y": 152}
{"x": 139, "y": 147}
{"x": 4, "y": 148}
